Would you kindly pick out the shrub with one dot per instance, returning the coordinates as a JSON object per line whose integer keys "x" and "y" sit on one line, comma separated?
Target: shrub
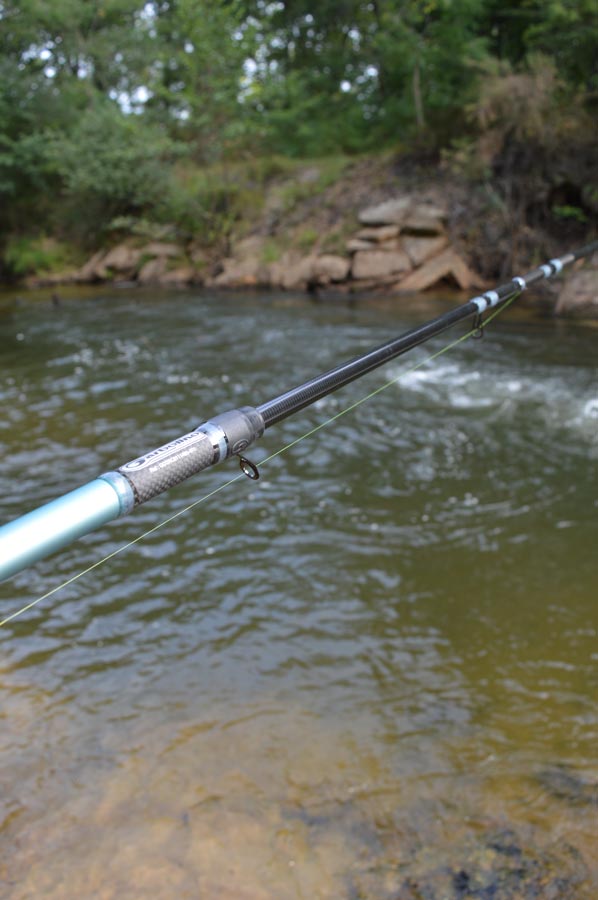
{"x": 113, "y": 165}
{"x": 27, "y": 255}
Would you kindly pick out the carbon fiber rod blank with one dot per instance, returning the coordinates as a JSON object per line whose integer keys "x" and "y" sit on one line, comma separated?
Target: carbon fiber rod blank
{"x": 115, "y": 494}
{"x": 290, "y": 402}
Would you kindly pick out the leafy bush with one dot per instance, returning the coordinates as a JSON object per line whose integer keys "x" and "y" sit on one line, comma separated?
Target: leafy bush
{"x": 26, "y": 255}
{"x": 113, "y": 165}
{"x": 521, "y": 117}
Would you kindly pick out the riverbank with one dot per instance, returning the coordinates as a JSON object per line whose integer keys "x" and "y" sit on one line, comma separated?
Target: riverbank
{"x": 375, "y": 224}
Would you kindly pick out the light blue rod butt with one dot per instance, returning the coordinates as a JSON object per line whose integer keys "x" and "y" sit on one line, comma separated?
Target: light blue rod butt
{"x": 44, "y": 530}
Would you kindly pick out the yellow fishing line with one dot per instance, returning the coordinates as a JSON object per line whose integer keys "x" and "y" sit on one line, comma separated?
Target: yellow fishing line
{"x": 202, "y": 499}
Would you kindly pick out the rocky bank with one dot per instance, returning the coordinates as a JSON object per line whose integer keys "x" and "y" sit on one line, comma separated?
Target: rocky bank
{"x": 374, "y": 236}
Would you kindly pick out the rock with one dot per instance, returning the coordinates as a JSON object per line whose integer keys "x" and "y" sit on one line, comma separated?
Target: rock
{"x": 579, "y": 294}
{"x": 161, "y": 249}
{"x": 566, "y": 784}
{"x": 328, "y": 267}
{"x": 51, "y": 279}
{"x": 239, "y": 273}
{"x": 181, "y": 276}
{"x": 419, "y": 249}
{"x": 379, "y": 263}
{"x": 431, "y": 210}
{"x": 122, "y": 258}
{"x": 365, "y": 285}
{"x": 391, "y": 212}
{"x": 152, "y": 271}
{"x": 446, "y": 265}
{"x": 378, "y": 235}
{"x": 299, "y": 275}
{"x": 198, "y": 255}
{"x": 249, "y": 248}
{"x": 94, "y": 269}
{"x": 277, "y": 270}
{"x": 291, "y": 272}
{"x": 356, "y": 244}
{"x": 494, "y": 863}
{"x": 275, "y": 273}
{"x": 421, "y": 222}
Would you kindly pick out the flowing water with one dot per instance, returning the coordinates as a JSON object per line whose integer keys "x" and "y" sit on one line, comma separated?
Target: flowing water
{"x": 373, "y": 673}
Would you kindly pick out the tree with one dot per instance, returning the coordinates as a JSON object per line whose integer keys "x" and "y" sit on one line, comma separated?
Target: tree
{"x": 112, "y": 165}
{"x": 567, "y": 31}
{"x": 196, "y": 79}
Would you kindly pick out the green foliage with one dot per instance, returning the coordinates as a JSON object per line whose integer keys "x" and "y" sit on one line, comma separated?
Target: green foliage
{"x": 306, "y": 239}
{"x": 271, "y": 251}
{"x": 530, "y": 105}
{"x": 311, "y": 179}
{"x": 196, "y": 84}
{"x": 26, "y": 255}
{"x": 178, "y": 112}
{"x": 335, "y": 241}
{"x": 208, "y": 202}
{"x": 570, "y": 212}
{"x": 112, "y": 165}
{"x": 567, "y": 31}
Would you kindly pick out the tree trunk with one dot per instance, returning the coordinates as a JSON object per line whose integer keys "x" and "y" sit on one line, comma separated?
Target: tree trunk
{"x": 417, "y": 98}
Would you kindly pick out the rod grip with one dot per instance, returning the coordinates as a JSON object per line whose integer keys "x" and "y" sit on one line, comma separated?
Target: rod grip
{"x": 224, "y": 435}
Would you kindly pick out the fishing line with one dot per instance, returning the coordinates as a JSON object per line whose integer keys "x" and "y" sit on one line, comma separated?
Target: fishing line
{"x": 112, "y": 495}
{"x": 430, "y": 358}
{"x": 474, "y": 332}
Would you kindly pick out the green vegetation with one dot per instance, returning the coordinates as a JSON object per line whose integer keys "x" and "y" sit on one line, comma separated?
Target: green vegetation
{"x": 26, "y": 255}
{"x": 174, "y": 114}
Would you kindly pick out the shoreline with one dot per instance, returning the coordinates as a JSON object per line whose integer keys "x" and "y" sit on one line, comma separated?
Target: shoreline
{"x": 370, "y": 231}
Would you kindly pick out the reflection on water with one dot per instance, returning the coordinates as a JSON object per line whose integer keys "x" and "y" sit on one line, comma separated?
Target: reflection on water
{"x": 372, "y": 674}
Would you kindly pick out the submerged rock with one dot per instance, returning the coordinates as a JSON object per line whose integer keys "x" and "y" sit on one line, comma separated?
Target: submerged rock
{"x": 497, "y": 865}
{"x": 566, "y": 784}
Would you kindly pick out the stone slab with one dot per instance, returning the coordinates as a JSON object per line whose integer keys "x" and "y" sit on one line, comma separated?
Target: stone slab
{"x": 379, "y": 263}
{"x": 420, "y": 249}
{"x": 446, "y": 264}
{"x": 391, "y": 212}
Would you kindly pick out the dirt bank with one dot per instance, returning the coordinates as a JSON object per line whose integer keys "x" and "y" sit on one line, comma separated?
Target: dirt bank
{"x": 361, "y": 225}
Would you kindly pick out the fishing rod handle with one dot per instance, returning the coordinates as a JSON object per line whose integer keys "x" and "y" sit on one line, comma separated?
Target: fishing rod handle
{"x": 56, "y": 524}
{"x": 224, "y": 435}
{"x": 114, "y": 494}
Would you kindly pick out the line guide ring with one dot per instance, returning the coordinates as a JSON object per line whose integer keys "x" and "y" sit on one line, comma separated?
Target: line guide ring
{"x": 478, "y": 327}
{"x": 249, "y": 468}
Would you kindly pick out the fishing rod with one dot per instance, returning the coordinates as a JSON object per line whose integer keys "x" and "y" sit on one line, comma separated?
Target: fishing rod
{"x": 115, "y": 494}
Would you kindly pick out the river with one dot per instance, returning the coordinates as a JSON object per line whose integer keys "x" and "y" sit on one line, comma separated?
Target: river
{"x": 373, "y": 673}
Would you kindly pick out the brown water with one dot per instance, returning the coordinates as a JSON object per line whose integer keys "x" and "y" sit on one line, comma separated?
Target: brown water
{"x": 372, "y": 674}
